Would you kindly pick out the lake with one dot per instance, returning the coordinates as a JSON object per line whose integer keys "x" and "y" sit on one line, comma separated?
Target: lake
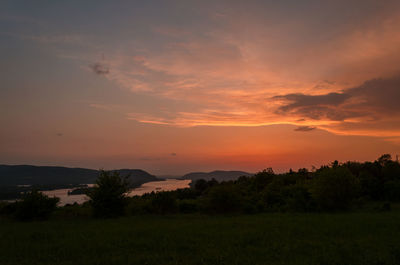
{"x": 156, "y": 186}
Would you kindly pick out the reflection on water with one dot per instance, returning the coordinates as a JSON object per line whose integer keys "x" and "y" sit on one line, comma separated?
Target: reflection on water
{"x": 65, "y": 198}
{"x": 166, "y": 185}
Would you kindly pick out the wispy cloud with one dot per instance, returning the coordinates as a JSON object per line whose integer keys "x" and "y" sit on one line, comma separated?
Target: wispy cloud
{"x": 305, "y": 128}
{"x": 363, "y": 110}
{"x": 100, "y": 68}
{"x": 249, "y": 74}
{"x": 107, "y": 107}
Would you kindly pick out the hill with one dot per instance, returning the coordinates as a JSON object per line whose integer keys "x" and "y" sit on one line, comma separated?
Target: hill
{"x": 53, "y": 175}
{"x": 219, "y": 175}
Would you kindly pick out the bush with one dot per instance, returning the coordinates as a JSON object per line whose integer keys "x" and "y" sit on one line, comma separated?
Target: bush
{"x": 370, "y": 186}
{"x": 188, "y": 206}
{"x": 7, "y": 208}
{"x": 263, "y": 178}
{"x": 272, "y": 195}
{"x": 108, "y": 195}
{"x": 223, "y": 198}
{"x": 200, "y": 186}
{"x": 75, "y": 210}
{"x": 392, "y": 190}
{"x": 186, "y": 194}
{"x": 249, "y": 206}
{"x": 138, "y": 205}
{"x": 164, "y": 202}
{"x": 298, "y": 199}
{"x": 35, "y": 205}
{"x": 391, "y": 171}
{"x": 334, "y": 188}
{"x": 280, "y": 197}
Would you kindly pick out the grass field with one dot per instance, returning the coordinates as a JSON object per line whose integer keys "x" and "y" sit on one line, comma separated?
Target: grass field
{"x": 348, "y": 238}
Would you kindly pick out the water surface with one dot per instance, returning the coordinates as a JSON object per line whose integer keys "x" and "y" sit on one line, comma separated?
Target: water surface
{"x": 156, "y": 186}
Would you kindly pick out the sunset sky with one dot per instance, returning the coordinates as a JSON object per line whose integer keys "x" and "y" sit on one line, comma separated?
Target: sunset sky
{"x": 178, "y": 86}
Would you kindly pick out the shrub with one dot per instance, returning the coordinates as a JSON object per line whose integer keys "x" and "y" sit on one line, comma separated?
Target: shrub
{"x": 108, "y": 196}
{"x": 280, "y": 197}
{"x": 200, "y": 186}
{"x": 7, "y": 208}
{"x": 187, "y": 193}
{"x": 263, "y": 178}
{"x": 392, "y": 190}
{"x": 370, "y": 185}
{"x": 334, "y": 188}
{"x": 164, "y": 202}
{"x": 138, "y": 205}
{"x": 272, "y": 195}
{"x": 188, "y": 206}
{"x": 298, "y": 199}
{"x": 249, "y": 206}
{"x": 391, "y": 171}
{"x": 35, "y": 205}
{"x": 75, "y": 210}
{"x": 222, "y": 198}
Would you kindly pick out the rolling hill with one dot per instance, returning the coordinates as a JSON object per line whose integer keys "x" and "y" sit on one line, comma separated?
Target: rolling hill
{"x": 219, "y": 175}
{"x": 53, "y": 175}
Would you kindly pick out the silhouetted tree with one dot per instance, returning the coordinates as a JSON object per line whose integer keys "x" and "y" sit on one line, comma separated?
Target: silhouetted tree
{"x": 164, "y": 202}
{"x": 298, "y": 198}
{"x": 384, "y": 159}
{"x": 335, "y": 163}
{"x": 391, "y": 171}
{"x": 263, "y": 178}
{"x": 200, "y": 186}
{"x": 370, "y": 185}
{"x": 392, "y": 190}
{"x": 108, "y": 195}
{"x": 188, "y": 206}
{"x": 334, "y": 188}
{"x": 35, "y": 205}
{"x": 222, "y": 198}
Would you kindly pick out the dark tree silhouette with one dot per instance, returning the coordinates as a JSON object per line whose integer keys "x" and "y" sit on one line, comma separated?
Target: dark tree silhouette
{"x": 108, "y": 197}
{"x": 35, "y": 205}
{"x": 334, "y": 188}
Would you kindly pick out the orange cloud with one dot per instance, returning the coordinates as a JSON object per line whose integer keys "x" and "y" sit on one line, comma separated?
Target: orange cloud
{"x": 244, "y": 73}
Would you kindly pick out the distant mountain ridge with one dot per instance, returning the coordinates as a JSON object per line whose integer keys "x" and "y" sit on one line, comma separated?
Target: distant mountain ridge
{"x": 219, "y": 175}
{"x": 12, "y": 175}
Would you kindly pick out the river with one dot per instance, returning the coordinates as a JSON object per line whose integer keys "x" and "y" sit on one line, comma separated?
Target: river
{"x": 156, "y": 186}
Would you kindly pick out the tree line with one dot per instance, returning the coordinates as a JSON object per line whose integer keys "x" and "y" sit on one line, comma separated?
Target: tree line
{"x": 334, "y": 187}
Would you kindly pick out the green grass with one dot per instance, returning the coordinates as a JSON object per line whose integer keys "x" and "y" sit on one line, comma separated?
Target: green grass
{"x": 348, "y": 238}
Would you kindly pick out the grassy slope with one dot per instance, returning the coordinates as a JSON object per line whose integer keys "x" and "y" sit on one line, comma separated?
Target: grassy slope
{"x": 351, "y": 238}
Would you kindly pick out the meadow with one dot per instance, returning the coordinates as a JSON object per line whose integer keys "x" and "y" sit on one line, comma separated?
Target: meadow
{"x": 274, "y": 238}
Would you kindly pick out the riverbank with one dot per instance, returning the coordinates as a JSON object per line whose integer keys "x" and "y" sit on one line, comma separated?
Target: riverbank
{"x": 344, "y": 238}
{"x": 66, "y": 197}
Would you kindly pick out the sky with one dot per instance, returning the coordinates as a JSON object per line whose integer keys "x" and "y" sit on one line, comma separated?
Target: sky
{"x": 173, "y": 87}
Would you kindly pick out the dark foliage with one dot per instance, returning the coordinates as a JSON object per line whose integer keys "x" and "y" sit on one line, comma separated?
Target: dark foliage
{"x": 7, "y": 209}
{"x": 108, "y": 196}
{"x": 35, "y": 205}
{"x": 222, "y": 198}
{"x": 334, "y": 187}
{"x": 188, "y": 206}
{"x": 164, "y": 202}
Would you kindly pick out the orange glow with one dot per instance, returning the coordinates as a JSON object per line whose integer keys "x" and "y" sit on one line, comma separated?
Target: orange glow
{"x": 238, "y": 85}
